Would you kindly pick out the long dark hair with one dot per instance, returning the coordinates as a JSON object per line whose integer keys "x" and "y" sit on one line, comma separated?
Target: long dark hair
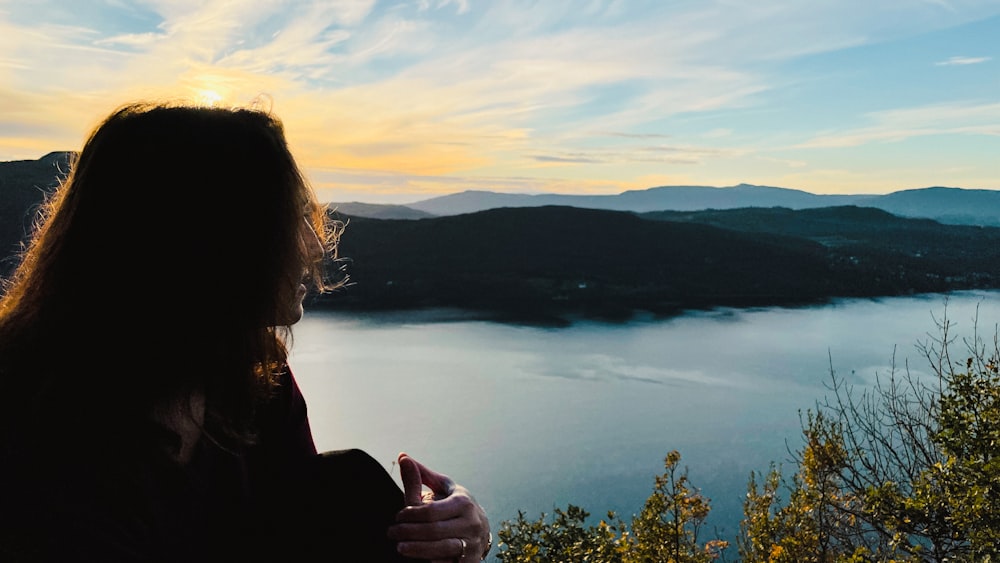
{"x": 162, "y": 264}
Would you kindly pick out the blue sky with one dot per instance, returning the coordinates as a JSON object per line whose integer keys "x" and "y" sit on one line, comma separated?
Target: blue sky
{"x": 399, "y": 101}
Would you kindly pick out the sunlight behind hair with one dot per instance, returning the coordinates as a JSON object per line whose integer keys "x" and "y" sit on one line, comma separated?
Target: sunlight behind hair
{"x": 208, "y": 98}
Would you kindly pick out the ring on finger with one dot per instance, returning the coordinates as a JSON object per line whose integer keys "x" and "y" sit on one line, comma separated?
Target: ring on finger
{"x": 461, "y": 555}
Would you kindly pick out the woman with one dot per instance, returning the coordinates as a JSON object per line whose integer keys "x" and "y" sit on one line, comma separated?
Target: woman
{"x": 148, "y": 413}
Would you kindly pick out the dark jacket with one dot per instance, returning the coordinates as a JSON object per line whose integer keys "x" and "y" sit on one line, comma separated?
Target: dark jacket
{"x": 275, "y": 500}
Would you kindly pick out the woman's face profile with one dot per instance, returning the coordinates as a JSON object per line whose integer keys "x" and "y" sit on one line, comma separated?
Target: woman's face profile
{"x": 295, "y": 295}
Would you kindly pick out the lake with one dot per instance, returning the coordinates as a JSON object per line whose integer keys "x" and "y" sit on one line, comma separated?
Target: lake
{"x": 533, "y": 418}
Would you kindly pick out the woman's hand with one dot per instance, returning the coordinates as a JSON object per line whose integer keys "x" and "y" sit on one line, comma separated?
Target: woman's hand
{"x": 443, "y": 525}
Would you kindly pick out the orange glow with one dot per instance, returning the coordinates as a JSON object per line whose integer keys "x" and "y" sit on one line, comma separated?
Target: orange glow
{"x": 208, "y": 97}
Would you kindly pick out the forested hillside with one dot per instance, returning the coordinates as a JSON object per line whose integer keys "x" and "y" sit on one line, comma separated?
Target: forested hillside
{"x": 550, "y": 261}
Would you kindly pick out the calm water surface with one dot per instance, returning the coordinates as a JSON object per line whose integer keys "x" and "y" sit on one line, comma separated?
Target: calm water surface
{"x": 534, "y": 418}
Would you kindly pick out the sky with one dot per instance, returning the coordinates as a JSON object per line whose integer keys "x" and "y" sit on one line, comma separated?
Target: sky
{"x": 398, "y": 101}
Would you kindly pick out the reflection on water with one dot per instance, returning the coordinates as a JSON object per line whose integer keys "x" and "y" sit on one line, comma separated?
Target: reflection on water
{"x": 533, "y": 418}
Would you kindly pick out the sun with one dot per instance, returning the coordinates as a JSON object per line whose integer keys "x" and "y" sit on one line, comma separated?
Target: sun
{"x": 208, "y": 97}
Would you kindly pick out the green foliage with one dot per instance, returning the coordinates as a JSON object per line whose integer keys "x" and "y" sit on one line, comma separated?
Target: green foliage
{"x": 565, "y": 538}
{"x": 905, "y": 471}
{"x": 666, "y": 529}
{"x": 820, "y": 522}
{"x": 668, "y": 526}
{"x": 966, "y": 486}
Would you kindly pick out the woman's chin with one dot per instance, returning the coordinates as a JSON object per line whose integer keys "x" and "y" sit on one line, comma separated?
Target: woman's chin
{"x": 291, "y": 316}
{"x": 296, "y": 315}
{"x": 294, "y": 310}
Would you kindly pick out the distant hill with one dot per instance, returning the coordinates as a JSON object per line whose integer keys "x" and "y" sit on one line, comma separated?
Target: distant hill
{"x": 378, "y": 211}
{"x": 542, "y": 263}
{"x": 546, "y": 262}
{"x": 948, "y": 205}
{"x": 865, "y": 234}
{"x": 23, "y": 186}
{"x": 683, "y": 198}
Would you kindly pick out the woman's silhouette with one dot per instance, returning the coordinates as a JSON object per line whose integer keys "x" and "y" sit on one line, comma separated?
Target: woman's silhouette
{"x": 147, "y": 410}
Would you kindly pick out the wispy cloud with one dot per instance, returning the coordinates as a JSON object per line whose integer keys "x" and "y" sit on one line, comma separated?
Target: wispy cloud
{"x": 901, "y": 124}
{"x": 412, "y": 92}
{"x": 786, "y": 162}
{"x": 962, "y": 61}
{"x": 132, "y": 39}
{"x": 565, "y": 159}
{"x": 663, "y": 154}
{"x": 717, "y": 133}
{"x": 634, "y": 135}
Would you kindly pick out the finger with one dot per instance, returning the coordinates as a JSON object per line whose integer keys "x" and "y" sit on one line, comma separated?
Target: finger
{"x": 409, "y": 471}
{"x": 441, "y": 484}
{"x": 458, "y": 505}
{"x": 446, "y": 549}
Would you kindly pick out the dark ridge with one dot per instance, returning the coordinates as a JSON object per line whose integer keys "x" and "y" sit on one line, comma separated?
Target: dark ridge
{"x": 551, "y": 262}
{"x": 24, "y": 184}
{"x": 948, "y": 205}
{"x": 545, "y": 264}
{"x": 377, "y": 211}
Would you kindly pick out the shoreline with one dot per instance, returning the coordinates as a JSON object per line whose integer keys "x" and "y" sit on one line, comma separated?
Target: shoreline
{"x": 566, "y": 319}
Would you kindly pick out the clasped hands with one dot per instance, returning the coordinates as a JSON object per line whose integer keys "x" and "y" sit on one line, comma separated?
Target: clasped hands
{"x": 443, "y": 525}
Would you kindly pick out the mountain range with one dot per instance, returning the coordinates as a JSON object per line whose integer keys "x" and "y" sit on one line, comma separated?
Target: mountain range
{"x": 546, "y": 258}
{"x": 547, "y": 263}
{"x": 959, "y": 206}
{"x": 22, "y": 184}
